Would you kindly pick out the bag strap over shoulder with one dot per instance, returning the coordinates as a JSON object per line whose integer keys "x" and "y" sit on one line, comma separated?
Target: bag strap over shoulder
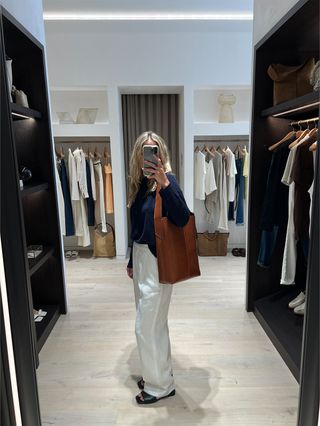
{"x": 158, "y": 205}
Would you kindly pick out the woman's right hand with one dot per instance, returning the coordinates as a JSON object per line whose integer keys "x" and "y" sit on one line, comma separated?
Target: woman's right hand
{"x": 130, "y": 272}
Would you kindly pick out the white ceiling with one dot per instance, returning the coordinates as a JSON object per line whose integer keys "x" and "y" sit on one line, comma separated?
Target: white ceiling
{"x": 149, "y": 9}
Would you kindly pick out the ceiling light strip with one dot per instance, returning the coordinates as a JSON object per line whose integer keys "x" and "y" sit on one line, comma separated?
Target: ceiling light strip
{"x": 48, "y": 16}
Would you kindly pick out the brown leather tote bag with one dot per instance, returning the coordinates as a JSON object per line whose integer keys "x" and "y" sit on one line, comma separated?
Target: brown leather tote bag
{"x": 176, "y": 247}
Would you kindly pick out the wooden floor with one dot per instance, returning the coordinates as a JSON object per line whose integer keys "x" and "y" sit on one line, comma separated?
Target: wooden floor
{"x": 226, "y": 370}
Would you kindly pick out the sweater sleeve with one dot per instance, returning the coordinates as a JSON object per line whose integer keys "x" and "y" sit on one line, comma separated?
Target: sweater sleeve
{"x": 174, "y": 203}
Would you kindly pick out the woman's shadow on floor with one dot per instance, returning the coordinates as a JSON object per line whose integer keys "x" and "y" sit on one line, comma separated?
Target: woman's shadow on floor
{"x": 192, "y": 389}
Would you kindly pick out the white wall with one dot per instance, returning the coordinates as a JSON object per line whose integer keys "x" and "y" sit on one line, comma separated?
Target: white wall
{"x": 29, "y": 13}
{"x": 157, "y": 54}
{"x": 267, "y": 13}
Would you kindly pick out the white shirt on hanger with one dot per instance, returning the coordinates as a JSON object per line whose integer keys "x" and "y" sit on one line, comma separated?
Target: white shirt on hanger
{"x": 93, "y": 180}
{"x": 210, "y": 180}
{"x": 199, "y": 175}
{"x": 231, "y": 171}
{"x": 100, "y": 210}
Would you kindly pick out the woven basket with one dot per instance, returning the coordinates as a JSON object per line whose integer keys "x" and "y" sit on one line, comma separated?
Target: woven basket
{"x": 213, "y": 244}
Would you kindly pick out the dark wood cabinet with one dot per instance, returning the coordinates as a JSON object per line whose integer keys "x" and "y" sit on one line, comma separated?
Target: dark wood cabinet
{"x": 292, "y": 41}
{"x": 29, "y": 216}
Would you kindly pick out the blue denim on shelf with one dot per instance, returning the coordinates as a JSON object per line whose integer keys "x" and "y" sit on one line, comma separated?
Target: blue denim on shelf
{"x": 267, "y": 244}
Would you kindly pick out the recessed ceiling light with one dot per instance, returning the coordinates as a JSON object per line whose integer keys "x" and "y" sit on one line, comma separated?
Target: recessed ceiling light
{"x": 48, "y": 16}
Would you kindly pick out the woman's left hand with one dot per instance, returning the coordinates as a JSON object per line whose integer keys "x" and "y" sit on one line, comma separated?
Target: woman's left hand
{"x": 157, "y": 172}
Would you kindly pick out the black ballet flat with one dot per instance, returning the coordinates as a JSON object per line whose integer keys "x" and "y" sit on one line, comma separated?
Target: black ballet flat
{"x": 150, "y": 399}
{"x": 140, "y": 384}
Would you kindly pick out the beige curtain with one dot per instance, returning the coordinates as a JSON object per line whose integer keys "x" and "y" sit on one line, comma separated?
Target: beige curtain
{"x": 159, "y": 113}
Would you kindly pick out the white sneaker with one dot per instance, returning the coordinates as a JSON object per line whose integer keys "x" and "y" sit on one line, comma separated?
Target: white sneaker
{"x": 299, "y": 310}
{"x": 297, "y": 301}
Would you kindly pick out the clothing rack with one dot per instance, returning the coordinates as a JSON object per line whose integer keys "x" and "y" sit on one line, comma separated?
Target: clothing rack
{"x": 294, "y": 123}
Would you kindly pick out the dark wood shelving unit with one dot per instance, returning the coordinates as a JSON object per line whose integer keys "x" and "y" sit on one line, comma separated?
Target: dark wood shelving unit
{"x": 29, "y": 216}
{"x": 296, "y": 338}
{"x": 44, "y": 328}
{"x": 32, "y": 188}
{"x": 19, "y": 112}
{"x": 297, "y": 106}
{"x": 36, "y": 263}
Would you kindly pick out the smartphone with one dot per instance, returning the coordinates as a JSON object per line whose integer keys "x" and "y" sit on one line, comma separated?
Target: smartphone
{"x": 149, "y": 151}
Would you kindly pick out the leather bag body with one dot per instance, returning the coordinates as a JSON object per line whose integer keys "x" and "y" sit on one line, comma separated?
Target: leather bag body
{"x": 213, "y": 244}
{"x": 176, "y": 247}
{"x": 291, "y": 82}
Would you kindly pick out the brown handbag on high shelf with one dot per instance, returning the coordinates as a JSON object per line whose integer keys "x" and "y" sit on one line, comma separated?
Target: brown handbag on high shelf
{"x": 176, "y": 247}
{"x": 290, "y": 82}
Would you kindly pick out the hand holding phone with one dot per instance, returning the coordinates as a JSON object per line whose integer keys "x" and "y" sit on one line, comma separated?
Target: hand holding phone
{"x": 150, "y": 153}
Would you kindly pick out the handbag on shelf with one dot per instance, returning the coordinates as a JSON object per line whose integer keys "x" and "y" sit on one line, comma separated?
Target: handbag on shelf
{"x": 213, "y": 244}
{"x": 290, "y": 82}
{"x": 176, "y": 247}
{"x": 104, "y": 242}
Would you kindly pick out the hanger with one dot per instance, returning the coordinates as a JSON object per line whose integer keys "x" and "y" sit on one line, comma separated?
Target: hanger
{"x": 61, "y": 152}
{"x": 300, "y": 135}
{"x": 106, "y": 156}
{"x": 313, "y": 131}
{"x": 204, "y": 148}
{"x": 284, "y": 139}
{"x": 219, "y": 149}
{"x": 196, "y": 149}
{"x": 314, "y": 146}
{"x": 96, "y": 153}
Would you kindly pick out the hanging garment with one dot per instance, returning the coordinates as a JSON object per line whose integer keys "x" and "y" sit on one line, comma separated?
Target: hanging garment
{"x": 93, "y": 180}
{"x": 100, "y": 211}
{"x": 199, "y": 175}
{"x": 311, "y": 187}
{"x": 90, "y": 200}
{"x": 212, "y": 201}
{"x": 81, "y": 172}
{"x": 289, "y": 259}
{"x": 240, "y": 185}
{"x": 152, "y": 333}
{"x": 275, "y": 204}
{"x": 78, "y": 202}
{"x": 62, "y": 219}
{"x": 231, "y": 171}
{"x": 210, "y": 180}
{"x": 223, "y": 199}
{"x": 67, "y": 198}
{"x": 245, "y": 173}
{"x": 108, "y": 188}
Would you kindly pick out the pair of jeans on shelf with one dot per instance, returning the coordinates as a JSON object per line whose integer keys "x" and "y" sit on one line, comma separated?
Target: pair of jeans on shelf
{"x": 237, "y": 205}
{"x": 70, "y": 229}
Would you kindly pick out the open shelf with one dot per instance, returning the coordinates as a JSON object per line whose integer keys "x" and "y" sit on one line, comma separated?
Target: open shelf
{"x": 283, "y": 326}
{"x": 81, "y": 130}
{"x": 44, "y": 327}
{"x": 35, "y": 264}
{"x": 221, "y": 129}
{"x": 295, "y": 107}
{"x": 19, "y": 112}
{"x": 33, "y": 187}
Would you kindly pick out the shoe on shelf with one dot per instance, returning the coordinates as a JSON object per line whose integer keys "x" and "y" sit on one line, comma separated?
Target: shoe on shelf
{"x": 299, "y": 310}
{"x": 297, "y": 301}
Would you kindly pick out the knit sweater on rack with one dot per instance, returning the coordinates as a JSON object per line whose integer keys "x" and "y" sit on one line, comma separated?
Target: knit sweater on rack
{"x": 174, "y": 207}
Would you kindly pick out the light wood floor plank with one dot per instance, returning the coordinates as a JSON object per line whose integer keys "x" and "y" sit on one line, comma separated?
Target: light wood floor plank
{"x": 227, "y": 372}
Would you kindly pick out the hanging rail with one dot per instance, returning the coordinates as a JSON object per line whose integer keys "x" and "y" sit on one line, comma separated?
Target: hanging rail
{"x": 294, "y": 123}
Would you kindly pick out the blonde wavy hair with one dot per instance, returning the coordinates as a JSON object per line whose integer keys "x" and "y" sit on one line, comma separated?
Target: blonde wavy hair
{"x": 135, "y": 173}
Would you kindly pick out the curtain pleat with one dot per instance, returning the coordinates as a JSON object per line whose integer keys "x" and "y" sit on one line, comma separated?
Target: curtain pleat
{"x": 159, "y": 113}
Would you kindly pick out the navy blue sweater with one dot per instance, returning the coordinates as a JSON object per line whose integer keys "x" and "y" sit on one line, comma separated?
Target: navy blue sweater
{"x": 142, "y": 210}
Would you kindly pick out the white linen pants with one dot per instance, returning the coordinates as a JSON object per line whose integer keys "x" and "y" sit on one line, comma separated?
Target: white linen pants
{"x": 289, "y": 260}
{"x": 152, "y": 332}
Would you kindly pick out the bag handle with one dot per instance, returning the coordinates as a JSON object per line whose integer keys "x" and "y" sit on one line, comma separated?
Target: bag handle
{"x": 109, "y": 224}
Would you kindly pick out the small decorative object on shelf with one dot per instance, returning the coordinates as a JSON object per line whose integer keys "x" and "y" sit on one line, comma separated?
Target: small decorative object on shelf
{"x": 290, "y": 82}
{"x": 20, "y": 97}
{"x": 315, "y": 77}
{"x": 25, "y": 174}
{"x": 9, "y": 75}
{"x": 226, "y": 100}
{"x": 87, "y": 115}
{"x": 65, "y": 117}
{"x": 33, "y": 251}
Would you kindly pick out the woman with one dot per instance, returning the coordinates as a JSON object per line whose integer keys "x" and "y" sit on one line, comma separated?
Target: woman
{"x": 152, "y": 298}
